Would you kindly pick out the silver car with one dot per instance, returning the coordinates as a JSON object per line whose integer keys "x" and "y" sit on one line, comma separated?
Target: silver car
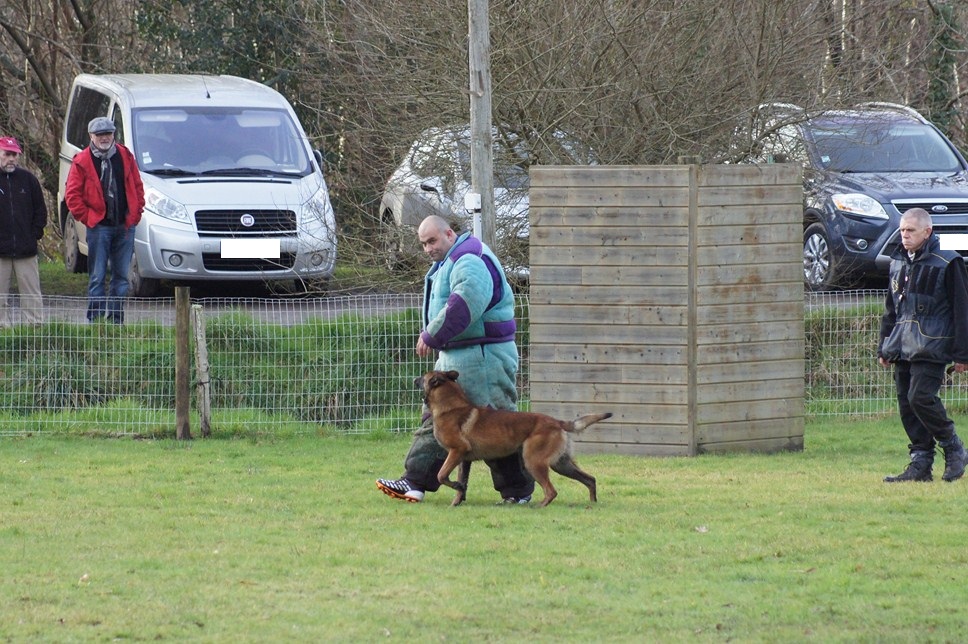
{"x": 435, "y": 175}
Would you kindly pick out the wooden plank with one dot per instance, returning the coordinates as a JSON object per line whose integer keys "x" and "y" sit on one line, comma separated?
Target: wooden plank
{"x": 547, "y": 177}
{"x": 727, "y": 312}
{"x": 767, "y": 330}
{"x": 747, "y": 410}
{"x": 640, "y": 276}
{"x": 581, "y": 256}
{"x": 782, "y": 196}
{"x": 756, "y": 389}
{"x": 773, "y": 174}
{"x": 749, "y": 293}
{"x": 609, "y": 295}
{"x": 637, "y": 415}
{"x": 750, "y": 237}
{"x": 596, "y": 314}
{"x": 750, "y": 430}
{"x": 726, "y": 255}
{"x": 716, "y": 354}
{"x": 765, "y": 446}
{"x": 608, "y": 334}
{"x": 606, "y": 217}
{"x": 629, "y": 449}
{"x": 739, "y": 274}
{"x": 747, "y": 215}
{"x": 564, "y": 354}
{"x": 635, "y": 197}
{"x": 631, "y": 374}
{"x": 764, "y": 370}
{"x": 609, "y": 431}
{"x": 614, "y": 236}
{"x": 603, "y": 394}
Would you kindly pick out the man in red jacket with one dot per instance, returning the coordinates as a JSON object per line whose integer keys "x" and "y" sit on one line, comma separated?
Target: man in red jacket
{"x": 104, "y": 192}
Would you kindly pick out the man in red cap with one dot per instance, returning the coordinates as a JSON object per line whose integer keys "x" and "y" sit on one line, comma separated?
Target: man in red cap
{"x": 23, "y": 215}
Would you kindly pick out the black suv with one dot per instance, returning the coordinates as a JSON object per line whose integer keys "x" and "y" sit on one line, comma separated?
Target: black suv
{"x": 863, "y": 167}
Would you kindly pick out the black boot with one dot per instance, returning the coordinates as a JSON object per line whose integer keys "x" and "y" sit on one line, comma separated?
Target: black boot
{"x": 919, "y": 469}
{"x": 954, "y": 458}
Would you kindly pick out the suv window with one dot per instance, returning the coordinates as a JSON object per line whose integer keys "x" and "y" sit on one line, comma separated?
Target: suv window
{"x": 86, "y": 104}
{"x": 882, "y": 147}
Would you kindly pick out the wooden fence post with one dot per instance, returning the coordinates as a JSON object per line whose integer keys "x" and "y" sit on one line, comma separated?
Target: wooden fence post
{"x": 201, "y": 370}
{"x": 183, "y": 429}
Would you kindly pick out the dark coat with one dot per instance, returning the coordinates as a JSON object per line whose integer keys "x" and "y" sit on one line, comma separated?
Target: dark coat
{"x": 23, "y": 214}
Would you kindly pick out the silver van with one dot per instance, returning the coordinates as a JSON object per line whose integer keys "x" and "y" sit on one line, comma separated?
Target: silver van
{"x": 233, "y": 190}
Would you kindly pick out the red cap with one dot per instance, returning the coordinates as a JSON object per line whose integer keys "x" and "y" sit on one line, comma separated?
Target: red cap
{"x": 10, "y": 144}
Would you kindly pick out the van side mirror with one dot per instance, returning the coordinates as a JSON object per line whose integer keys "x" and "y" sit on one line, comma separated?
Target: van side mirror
{"x": 319, "y": 159}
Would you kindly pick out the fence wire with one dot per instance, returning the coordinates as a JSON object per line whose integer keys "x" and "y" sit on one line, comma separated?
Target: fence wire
{"x": 342, "y": 363}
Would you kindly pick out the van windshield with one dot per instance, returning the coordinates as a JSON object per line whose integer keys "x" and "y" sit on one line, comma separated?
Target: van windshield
{"x": 218, "y": 141}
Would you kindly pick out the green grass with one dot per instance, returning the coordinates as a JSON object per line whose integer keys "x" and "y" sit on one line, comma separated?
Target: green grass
{"x": 250, "y": 538}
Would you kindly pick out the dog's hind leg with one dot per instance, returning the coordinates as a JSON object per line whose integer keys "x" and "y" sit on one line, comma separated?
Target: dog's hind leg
{"x": 566, "y": 466}
{"x": 463, "y": 473}
{"x": 540, "y": 473}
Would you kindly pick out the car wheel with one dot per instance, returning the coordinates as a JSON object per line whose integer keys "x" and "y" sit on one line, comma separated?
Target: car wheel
{"x": 139, "y": 286}
{"x": 819, "y": 267}
{"x": 74, "y": 262}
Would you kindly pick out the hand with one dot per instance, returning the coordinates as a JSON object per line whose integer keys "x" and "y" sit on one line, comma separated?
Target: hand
{"x": 961, "y": 367}
{"x": 422, "y": 349}
{"x": 884, "y": 363}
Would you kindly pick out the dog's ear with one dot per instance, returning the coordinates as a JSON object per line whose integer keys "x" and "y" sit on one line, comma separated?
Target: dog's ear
{"x": 436, "y": 380}
{"x": 452, "y": 375}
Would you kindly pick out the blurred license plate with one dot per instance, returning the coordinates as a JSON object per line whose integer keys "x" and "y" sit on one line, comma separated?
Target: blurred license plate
{"x": 250, "y": 248}
{"x": 957, "y": 241}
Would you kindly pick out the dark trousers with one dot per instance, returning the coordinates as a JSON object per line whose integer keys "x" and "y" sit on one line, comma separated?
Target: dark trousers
{"x": 922, "y": 413}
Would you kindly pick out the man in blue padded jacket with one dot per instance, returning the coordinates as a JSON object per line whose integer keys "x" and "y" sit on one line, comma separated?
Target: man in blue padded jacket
{"x": 468, "y": 316}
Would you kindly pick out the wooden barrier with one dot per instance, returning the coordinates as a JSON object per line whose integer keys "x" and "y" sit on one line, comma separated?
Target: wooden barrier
{"x": 673, "y": 297}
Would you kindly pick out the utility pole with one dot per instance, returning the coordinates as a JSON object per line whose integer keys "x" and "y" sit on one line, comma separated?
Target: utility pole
{"x": 482, "y": 145}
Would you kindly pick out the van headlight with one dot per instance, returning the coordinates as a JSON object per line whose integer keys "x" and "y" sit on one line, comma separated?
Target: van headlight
{"x": 164, "y": 206}
{"x": 858, "y": 204}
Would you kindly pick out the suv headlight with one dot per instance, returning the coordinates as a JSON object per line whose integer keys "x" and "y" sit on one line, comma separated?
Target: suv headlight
{"x": 164, "y": 206}
{"x": 859, "y": 204}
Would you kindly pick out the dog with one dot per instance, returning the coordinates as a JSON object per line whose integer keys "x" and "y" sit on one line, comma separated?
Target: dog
{"x": 471, "y": 433}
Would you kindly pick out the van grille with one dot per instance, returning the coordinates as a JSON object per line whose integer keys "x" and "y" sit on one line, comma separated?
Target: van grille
{"x": 228, "y": 223}
{"x": 215, "y": 262}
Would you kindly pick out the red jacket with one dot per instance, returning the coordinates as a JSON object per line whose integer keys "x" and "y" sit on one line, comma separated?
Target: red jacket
{"x": 83, "y": 194}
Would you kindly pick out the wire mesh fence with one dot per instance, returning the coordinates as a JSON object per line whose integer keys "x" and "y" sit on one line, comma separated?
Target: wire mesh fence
{"x": 344, "y": 363}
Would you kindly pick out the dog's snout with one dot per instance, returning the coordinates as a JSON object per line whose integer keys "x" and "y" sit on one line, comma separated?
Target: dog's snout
{"x": 418, "y": 382}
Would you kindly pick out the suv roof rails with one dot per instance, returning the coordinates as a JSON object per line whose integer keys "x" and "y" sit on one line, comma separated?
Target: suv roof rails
{"x": 895, "y": 107}
{"x": 779, "y": 107}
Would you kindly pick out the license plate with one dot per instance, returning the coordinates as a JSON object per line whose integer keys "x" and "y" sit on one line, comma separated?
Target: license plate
{"x": 954, "y": 241}
{"x": 250, "y": 248}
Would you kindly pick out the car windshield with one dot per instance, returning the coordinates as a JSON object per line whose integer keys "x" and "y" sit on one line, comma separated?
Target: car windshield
{"x": 218, "y": 140}
{"x": 509, "y": 172}
{"x": 881, "y": 146}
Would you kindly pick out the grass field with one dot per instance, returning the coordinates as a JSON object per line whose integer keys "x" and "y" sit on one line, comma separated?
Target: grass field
{"x": 254, "y": 539}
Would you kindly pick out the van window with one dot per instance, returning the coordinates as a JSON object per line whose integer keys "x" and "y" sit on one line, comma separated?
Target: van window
{"x": 118, "y": 119}
{"x": 218, "y": 139}
{"x": 86, "y": 104}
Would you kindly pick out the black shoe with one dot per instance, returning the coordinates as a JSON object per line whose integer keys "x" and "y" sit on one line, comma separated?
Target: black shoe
{"x": 954, "y": 459}
{"x": 919, "y": 469}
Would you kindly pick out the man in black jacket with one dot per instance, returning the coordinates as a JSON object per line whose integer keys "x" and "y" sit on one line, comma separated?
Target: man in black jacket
{"x": 925, "y": 327}
{"x": 23, "y": 215}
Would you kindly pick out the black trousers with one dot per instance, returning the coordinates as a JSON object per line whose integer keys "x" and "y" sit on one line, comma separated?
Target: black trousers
{"x": 922, "y": 413}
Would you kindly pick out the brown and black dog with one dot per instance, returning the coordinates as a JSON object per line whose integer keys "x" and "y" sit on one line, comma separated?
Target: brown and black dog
{"x": 472, "y": 433}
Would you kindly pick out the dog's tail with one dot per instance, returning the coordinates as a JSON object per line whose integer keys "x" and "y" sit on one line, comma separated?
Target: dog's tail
{"x": 582, "y": 422}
